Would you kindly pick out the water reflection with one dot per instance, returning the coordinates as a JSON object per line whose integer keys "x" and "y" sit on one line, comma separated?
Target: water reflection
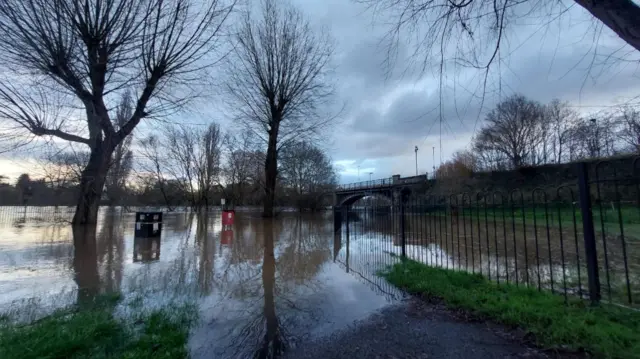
{"x": 273, "y": 342}
{"x": 85, "y": 264}
{"x": 146, "y": 249}
{"x": 262, "y": 286}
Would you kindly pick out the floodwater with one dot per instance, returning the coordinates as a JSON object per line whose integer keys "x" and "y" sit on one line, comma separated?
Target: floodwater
{"x": 260, "y": 285}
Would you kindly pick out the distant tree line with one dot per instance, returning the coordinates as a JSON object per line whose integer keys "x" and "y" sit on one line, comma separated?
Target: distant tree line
{"x": 520, "y": 132}
{"x": 184, "y": 166}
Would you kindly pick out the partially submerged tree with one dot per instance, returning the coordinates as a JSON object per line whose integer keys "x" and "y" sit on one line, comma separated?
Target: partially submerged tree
{"x": 91, "y": 51}
{"x": 277, "y": 82}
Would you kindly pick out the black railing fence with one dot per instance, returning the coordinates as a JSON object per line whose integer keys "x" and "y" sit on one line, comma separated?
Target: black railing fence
{"x": 580, "y": 239}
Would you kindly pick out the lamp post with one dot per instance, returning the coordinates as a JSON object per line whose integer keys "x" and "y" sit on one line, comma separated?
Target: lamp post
{"x": 358, "y": 173}
{"x": 433, "y": 175}
{"x": 370, "y": 173}
{"x": 416, "y": 150}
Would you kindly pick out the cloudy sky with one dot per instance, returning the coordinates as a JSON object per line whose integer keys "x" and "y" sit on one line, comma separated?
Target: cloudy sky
{"x": 388, "y": 113}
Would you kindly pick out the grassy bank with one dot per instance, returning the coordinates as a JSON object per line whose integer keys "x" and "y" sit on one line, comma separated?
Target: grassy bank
{"x": 95, "y": 332}
{"x": 610, "y": 332}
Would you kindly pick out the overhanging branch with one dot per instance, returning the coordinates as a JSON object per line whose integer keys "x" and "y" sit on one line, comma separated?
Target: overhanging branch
{"x": 60, "y": 134}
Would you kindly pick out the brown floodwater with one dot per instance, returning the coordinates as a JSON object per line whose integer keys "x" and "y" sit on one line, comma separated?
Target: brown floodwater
{"x": 260, "y": 285}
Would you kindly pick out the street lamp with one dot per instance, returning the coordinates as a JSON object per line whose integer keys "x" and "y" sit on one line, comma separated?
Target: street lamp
{"x": 370, "y": 173}
{"x": 358, "y": 173}
{"x": 416, "y": 150}
{"x": 433, "y": 175}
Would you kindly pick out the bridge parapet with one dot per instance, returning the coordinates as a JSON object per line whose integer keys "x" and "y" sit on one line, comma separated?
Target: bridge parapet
{"x": 395, "y": 180}
{"x": 379, "y": 183}
{"x": 387, "y": 187}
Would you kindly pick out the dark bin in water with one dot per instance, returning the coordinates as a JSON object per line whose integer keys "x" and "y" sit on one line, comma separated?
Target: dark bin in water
{"x": 148, "y": 224}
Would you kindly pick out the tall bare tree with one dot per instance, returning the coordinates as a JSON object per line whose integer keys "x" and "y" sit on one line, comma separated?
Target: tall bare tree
{"x": 277, "y": 81}
{"x": 152, "y": 168}
{"x": 513, "y": 129}
{"x": 244, "y": 167}
{"x": 208, "y": 165}
{"x": 192, "y": 156}
{"x": 122, "y": 158}
{"x": 90, "y": 50}
{"x": 308, "y": 173}
{"x": 560, "y": 119}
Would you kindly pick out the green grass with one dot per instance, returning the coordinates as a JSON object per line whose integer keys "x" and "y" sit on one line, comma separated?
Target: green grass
{"x": 604, "y": 331}
{"x": 610, "y": 218}
{"x": 96, "y": 333}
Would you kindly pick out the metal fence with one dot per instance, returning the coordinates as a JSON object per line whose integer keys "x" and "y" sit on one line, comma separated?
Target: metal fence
{"x": 579, "y": 239}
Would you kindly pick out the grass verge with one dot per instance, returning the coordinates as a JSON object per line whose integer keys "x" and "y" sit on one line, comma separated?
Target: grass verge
{"x": 95, "y": 332}
{"x": 604, "y": 331}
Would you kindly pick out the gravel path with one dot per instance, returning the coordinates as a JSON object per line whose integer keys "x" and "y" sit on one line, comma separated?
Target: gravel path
{"x": 415, "y": 330}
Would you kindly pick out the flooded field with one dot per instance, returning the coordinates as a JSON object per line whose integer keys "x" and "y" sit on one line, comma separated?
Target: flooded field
{"x": 264, "y": 284}
{"x": 257, "y": 283}
{"x": 536, "y": 253}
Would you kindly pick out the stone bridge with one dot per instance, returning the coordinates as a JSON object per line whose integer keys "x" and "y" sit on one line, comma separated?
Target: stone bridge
{"x": 396, "y": 189}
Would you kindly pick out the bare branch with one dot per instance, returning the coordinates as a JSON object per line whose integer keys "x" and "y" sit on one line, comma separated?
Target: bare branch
{"x": 277, "y": 80}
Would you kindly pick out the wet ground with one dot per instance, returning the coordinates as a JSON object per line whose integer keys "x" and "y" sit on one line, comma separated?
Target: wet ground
{"x": 286, "y": 287}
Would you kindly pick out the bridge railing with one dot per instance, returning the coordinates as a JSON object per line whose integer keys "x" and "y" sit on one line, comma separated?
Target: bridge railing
{"x": 384, "y": 182}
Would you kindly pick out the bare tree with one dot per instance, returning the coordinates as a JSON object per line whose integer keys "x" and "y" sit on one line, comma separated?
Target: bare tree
{"x": 64, "y": 167}
{"x": 307, "y": 172}
{"x": 122, "y": 159}
{"x": 193, "y": 157}
{"x": 243, "y": 168}
{"x": 152, "y": 167}
{"x": 629, "y": 132}
{"x": 277, "y": 81}
{"x": 513, "y": 129}
{"x": 560, "y": 119}
{"x": 474, "y": 30}
{"x": 595, "y": 136}
{"x": 208, "y": 164}
{"x": 90, "y": 51}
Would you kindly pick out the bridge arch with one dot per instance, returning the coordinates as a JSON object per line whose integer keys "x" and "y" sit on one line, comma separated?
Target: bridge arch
{"x": 349, "y": 200}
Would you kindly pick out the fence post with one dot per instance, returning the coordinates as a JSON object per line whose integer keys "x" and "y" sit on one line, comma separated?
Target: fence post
{"x": 402, "y": 229}
{"x": 345, "y": 211}
{"x": 589, "y": 233}
{"x": 337, "y": 219}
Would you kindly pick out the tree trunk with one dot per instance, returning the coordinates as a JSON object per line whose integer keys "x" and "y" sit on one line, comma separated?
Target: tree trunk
{"x": 85, "y": 264}
{"x": 271, "y": 172}
{"x": 92, "y": 184}
{"x": 621, "y": 16}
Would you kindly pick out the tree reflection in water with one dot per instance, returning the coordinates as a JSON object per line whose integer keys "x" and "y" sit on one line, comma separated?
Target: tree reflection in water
{"x": 274, "y": 342}
{"x": 261, "y": 280}
{"x": 85, "y": 264}
{"x": 272, "y": 318}
{"x": 98, "y": 258}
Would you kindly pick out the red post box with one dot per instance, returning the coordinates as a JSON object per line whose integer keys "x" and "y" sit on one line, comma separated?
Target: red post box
{"x": 227, "y": 217}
